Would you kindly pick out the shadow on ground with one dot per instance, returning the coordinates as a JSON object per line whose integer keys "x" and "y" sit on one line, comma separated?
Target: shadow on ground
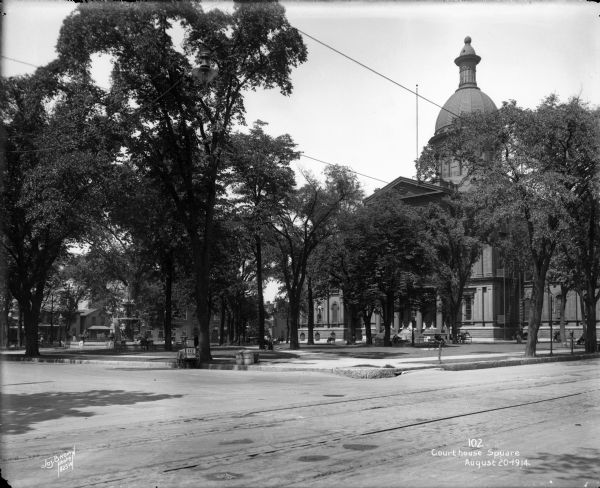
{"x": 585, "y": 464}
{"x": 21, "y": 411}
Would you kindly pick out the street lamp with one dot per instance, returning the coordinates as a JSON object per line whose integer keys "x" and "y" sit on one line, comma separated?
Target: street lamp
{"x": 204, "y": 73}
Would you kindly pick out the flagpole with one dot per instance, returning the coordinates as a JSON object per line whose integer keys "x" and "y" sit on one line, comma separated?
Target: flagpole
{"x": 417, "y": 121}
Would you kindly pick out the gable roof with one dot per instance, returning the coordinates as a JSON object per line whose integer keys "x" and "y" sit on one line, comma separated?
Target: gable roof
{"x": 408, "y": 189}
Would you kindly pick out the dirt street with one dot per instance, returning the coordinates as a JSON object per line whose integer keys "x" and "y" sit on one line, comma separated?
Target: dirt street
{"x": 535, "y": 425}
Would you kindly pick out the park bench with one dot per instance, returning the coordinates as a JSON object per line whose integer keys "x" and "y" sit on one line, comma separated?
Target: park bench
{"x": 464, "y": 338}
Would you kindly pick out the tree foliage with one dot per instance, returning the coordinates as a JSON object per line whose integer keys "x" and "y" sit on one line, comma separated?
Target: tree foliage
{"x": 525, "y": 167}
{"x": 60, "y": 153}
{"x": 305, "y": 222}
{"x": 261, "y": 179}
{"x": 177, "y": 129}
{"x": 455, "y": 245}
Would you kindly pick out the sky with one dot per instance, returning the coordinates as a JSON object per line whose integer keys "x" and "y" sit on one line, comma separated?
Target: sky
{"x": 342, "y": 113}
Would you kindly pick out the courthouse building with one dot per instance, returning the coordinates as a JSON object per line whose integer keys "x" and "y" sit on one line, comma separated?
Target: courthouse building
{"x": 496, "y": 302}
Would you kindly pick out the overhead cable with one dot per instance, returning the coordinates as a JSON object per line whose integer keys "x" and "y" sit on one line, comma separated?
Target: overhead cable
{"x": 376, "y": 72}
{"x": 349, "y": 169}
{"x": 156, "y": 100}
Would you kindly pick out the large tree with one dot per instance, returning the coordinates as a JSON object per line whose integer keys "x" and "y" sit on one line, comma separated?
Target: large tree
{"x": 60, "y": 150}
{"x": 577, "y": 264}
{"x": 178, "y": 124}
{"x": 144, "y": 214}
{"x": 519, "y": 163}
{"x": 338, "y": 263}
{"x": 261, "y": 180}
{"x": 455, "y": 247}
{"x": 303, "y": 223}
{"x": 390, "y": 238}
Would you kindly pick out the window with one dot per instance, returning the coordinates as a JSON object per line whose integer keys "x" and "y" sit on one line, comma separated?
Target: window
{"x": 93, "y": 320}
{"x": 334, "y": 313}
{"x": 468, "y": 308}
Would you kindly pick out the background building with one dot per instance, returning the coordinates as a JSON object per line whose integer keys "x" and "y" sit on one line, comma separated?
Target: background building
{"x": 496, "y": 300}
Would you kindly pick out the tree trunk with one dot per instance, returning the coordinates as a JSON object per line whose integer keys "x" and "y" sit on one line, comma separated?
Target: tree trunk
{"x": 366, "y": 315}
{"x": 230, "y": 327}
{"x": 203, "y": 266}
{"x": 259, "y": 286}
{"x": 51, "y": 338}
{"x": 222, "y": 323}
{"x": 563, "y": 305}
{"x": 453, "y": 316}
{"x": 203, "y": 314}
{"x": 4, "y": 302}
{"x": 4, "y": 322}
{"x": 354, "y": 318}
{"x": 590, "y": 306}
{"x": 388, "y": 317}
{"x": 311, "y": 312}
{"x": 168, "y": 271}
{"x": 20, "y": 327}
{"x": 591, "y": 279}
{"x": 294, "y": 319}
{"x": 31, "y": 333}
{"x": 238, "y": 325}
{"x": 32, "y": 316}
{"x": 583, "y": 309}
{"x": 537, "y": 304}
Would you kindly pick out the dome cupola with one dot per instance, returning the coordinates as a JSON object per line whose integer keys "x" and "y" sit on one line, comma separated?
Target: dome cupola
{"x": 468, "y": 98}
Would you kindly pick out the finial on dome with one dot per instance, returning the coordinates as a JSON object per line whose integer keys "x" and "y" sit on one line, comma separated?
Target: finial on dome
{"x": 466, "y": 61}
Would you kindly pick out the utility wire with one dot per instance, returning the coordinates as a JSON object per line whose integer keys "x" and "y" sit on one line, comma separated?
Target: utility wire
{"x": 376, "y": 72}
{"x": 19, "y": 61}
{"x": 349, "y": 169}
{"x": 156, "y": 100}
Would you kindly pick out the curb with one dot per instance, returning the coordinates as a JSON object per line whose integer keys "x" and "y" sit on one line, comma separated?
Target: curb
{"x": 108, "y": 362}
{"x": 516, "y": 362}
{"x": 348, "y": 371}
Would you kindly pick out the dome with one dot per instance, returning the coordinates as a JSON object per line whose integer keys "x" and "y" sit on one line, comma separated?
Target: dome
{"x": 468, "y": 98}
{"x": 464, "y": 101}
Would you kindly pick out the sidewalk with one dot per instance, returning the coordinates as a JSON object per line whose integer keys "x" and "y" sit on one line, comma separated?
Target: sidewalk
{"x": 359, "y": 361}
